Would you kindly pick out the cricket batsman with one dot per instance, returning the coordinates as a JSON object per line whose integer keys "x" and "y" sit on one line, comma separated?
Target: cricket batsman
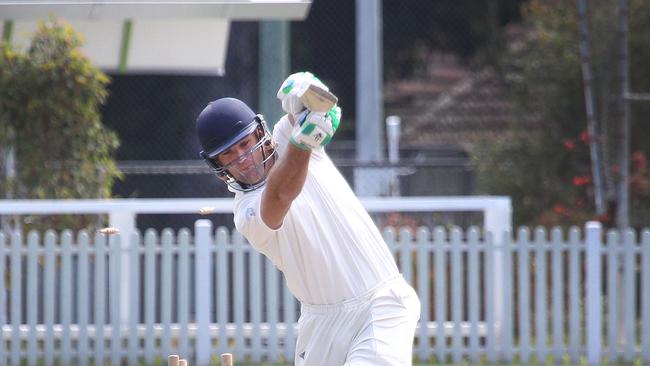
{"x": 293, "y": 206}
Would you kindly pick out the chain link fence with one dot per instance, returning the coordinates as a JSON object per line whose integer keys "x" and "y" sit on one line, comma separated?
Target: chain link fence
{"x": 413, "y": 176}
{"x": 427, "y": 51}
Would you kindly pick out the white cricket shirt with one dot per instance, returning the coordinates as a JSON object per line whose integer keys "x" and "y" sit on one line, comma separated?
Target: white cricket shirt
{"x": 328, "y": 247}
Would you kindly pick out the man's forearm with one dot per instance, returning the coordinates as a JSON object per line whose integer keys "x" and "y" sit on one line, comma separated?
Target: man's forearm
{"x": 289, "y": 174}
{"x": 283, "y": 185}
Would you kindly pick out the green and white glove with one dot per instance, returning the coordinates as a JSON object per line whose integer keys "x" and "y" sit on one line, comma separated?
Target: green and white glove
{"x": 314, "y": 130}
{"x": 293, "y": 88}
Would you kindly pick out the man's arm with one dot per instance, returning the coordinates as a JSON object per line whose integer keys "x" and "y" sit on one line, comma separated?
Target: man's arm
{"x": 312, "y": 128}
{"x": 283, "y": 185}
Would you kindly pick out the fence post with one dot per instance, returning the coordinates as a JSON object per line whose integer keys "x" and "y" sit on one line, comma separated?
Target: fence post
{"x": 203, "y": 286}
{"x": 594, "y": 300}
{"x": 124, "y": 221}
{"x": 498, "y": 221}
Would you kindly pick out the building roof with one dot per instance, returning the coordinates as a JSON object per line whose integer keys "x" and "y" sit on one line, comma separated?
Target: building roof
{"x": 454, "y": 106}
{"x": 155, "y": 9}
{"x": 147, "y": 36}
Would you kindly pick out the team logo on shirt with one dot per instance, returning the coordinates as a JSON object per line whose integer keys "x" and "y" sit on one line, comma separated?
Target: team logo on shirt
{"x": 250, "y": 213}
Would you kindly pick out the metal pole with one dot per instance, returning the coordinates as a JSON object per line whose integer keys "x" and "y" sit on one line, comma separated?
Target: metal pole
{"x": 393, "y": 132}
{"x": 10, "y": 222}
{"x": 273, "y": 67}
{"x": 369, "y": 85}
{"x": 637, "y": 97}
{"x": 622, "y": 217}
{"x": 585, "y": 57}
{"x": 370, "y": 144}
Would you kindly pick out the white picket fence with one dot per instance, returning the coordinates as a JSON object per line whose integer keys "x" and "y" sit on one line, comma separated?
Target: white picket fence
{"x": 203, "y": 294}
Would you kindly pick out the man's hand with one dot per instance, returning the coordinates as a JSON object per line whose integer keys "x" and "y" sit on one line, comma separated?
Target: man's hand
{"x": 313, "y": 130}
{"x": 303, "y": 90}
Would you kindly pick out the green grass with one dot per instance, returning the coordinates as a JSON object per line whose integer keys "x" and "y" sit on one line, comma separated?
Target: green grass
{"x": 466, "y": 363}
{"x": 461, "y": 364}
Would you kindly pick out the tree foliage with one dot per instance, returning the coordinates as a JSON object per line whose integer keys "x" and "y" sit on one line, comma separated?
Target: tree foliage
{"x": 50, "y": 99}
{"x": 548, "y": 174}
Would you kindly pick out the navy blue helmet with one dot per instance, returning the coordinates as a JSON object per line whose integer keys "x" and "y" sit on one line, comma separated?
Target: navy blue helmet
{"x": 220, "y": 125}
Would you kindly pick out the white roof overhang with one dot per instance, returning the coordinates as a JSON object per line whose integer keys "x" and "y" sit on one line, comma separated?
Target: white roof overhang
{"x": 146, "y": 36}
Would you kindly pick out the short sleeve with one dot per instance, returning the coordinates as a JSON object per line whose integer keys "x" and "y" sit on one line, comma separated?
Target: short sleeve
{"x": 248, "y": 220}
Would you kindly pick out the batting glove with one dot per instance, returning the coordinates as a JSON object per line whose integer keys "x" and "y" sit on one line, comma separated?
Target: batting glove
{"x": 314, "y": 130}
{"x": 293, "y": 87}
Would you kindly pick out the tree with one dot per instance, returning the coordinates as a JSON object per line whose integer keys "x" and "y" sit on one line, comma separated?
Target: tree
{"x": 548, "y": 173}
{"x": 50, "y": 98}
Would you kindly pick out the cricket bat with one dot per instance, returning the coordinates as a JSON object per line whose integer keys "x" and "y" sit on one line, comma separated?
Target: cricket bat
{"x": 317, "y": 99}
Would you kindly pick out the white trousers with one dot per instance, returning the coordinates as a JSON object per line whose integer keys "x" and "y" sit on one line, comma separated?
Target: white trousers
{"x": 376, "y": 328}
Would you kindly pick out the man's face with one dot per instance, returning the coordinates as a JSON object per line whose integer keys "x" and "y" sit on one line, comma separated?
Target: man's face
{"x": 243, "y": 161}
